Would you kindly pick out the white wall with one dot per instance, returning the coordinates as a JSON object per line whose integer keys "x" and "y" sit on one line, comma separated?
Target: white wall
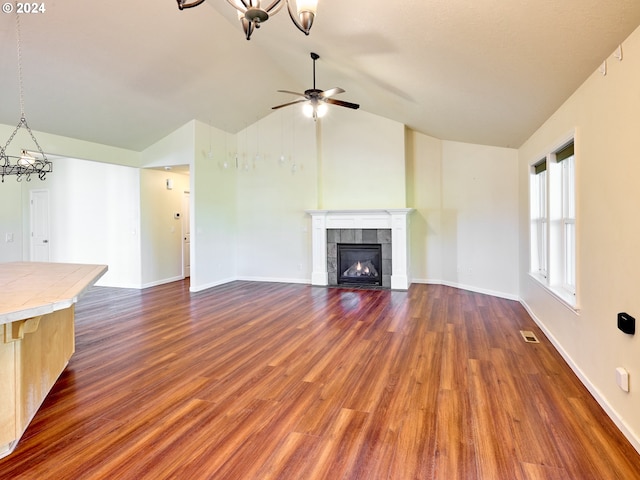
{"x": 213, "y": 218}
{"x": 424, "y": 193}
{"x": 177, "y": 148}
{"x": 11, "y": 220}
{"x": 605, "y": 113}
{"x": 464, "y": 231}
{"x": 362, "y": 161}
{"x": 95, "y": 217}
{"x": 274, "y": 190}
{"x": 480, "y": 218}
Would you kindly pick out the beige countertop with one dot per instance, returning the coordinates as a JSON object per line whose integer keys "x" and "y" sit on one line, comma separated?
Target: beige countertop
{"x": 28, "y": 289}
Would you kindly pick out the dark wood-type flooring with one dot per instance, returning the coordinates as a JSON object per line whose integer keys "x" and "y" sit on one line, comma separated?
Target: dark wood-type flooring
{"x": 277, "y": 381}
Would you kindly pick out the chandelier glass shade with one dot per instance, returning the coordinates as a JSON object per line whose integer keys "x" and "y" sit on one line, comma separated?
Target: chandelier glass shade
{"x": 252, "y": 13}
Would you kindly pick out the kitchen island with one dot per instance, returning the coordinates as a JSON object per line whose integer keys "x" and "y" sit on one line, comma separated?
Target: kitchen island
{"x": 37, "y": 336}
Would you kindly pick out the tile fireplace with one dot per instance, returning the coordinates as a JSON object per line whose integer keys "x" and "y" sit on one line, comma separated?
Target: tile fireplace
{"x": 367, "y": 261}
{"x": 386, "y": 228}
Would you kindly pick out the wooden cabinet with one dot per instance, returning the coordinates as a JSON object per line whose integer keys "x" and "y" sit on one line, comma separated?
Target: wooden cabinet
{"x": 37, "y": 336}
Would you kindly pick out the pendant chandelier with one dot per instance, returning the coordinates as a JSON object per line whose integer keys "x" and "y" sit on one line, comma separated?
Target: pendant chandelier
{"x": 29, "y": 162}
{"x": 252, "y": 13}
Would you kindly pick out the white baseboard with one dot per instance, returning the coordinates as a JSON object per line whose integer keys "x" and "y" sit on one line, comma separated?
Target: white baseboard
{"x": 200, "y": 288}
{"x": 136, "y": 286}
{"x": 162, "y": 281}
{"x": 633, "y": 438}
{"x": 470, "y": 288}
{"x": 303, "y": 281}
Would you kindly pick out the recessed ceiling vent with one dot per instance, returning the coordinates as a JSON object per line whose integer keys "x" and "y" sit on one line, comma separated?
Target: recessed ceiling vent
{"x": 529, "y": 336}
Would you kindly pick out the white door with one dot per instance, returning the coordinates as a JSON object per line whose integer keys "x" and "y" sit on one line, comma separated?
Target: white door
{"x": 186, "y": 237}
{"x": 39, "y": 213}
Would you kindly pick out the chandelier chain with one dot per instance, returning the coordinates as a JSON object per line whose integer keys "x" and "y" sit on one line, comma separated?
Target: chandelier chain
{"x": 23, "y": 119}
{"x": 20, "y": 83}
{"x": 23, "y": 123}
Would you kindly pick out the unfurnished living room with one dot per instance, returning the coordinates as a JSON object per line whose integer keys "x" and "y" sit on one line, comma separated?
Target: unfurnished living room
{"x": 300, "y": 239}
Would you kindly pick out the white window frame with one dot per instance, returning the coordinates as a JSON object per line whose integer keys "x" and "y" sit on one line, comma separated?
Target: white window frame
{"x": 569, "y": 225}
{"x": 553, "y": 245}
{"x": 539, "y": 231}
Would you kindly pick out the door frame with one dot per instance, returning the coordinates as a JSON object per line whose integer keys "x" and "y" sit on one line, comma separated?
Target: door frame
{"x": 36, "y": 214}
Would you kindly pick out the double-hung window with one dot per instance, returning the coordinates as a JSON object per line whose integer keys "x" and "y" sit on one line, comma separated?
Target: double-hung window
{"x": 566, "y": 159}
{"x": 553, "y": 222}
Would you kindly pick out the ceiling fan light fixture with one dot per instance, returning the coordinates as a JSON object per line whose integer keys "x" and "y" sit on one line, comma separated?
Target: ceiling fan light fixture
{"x": 321, "y": 109}
{"x": 314, "y": 109}
{"x": 307, "y": 110}
{"x": 315, "y": 101}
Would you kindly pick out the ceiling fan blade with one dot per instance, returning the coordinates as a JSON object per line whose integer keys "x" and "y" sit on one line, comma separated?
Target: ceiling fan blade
{"x": 331, "y": 92}
{"x": 290, "y": 103}
{"x": 292, "y": 93}
{"x": 341, "y": 103}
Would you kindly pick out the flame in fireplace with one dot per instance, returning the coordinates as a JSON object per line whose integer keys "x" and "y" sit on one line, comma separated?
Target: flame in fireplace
{"x": 359, "y": 269}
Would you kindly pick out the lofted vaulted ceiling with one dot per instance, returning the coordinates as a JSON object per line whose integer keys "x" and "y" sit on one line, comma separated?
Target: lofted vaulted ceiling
{"x": 128, "y": 73}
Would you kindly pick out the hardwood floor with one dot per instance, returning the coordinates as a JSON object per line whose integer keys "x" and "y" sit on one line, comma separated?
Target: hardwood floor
{"x": 276, "y": 381}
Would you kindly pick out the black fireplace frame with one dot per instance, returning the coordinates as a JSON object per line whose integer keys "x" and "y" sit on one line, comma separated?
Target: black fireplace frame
{"x": 374, "y": 248}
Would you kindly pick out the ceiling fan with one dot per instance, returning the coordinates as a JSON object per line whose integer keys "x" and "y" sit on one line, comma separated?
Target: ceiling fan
{"x": 317, "y": 100}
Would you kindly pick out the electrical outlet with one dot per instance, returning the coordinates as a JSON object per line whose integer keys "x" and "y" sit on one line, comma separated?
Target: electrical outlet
{"x": 8, "y": 238}
{"x": 622, "y": 379}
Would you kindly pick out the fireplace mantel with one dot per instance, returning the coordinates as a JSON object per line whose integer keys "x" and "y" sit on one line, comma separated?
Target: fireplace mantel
{"x": 396, "y": 219}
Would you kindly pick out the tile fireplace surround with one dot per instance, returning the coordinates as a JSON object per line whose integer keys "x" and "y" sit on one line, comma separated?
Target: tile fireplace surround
{"x": 395, "y": 219}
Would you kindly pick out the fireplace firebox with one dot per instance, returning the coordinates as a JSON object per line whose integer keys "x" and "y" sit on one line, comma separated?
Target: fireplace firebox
{"x": 359, "y": 264}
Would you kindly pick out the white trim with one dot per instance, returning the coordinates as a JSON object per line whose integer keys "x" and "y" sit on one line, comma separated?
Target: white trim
{"x": 162, "y": 281}
{"x": 563, "y": 296}
{"x": 206, "y": 286}
{"x": 469, "y": 288}
{"x": 300, "y": 281}
{"x": 303, "y": 281}
{"x": 320, "y": 278}
{"x": 135, "y": 286}
{"x": 626, "y": 430}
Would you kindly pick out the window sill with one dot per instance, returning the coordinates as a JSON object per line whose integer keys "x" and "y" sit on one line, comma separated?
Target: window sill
{"x": 563, "y": 296}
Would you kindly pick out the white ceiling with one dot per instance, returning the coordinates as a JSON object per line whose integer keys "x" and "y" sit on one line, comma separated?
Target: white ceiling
{"x": 127, "y": 73}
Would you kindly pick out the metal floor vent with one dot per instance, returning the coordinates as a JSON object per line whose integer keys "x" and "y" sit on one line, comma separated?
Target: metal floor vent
{"x": 529, "y": 336}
